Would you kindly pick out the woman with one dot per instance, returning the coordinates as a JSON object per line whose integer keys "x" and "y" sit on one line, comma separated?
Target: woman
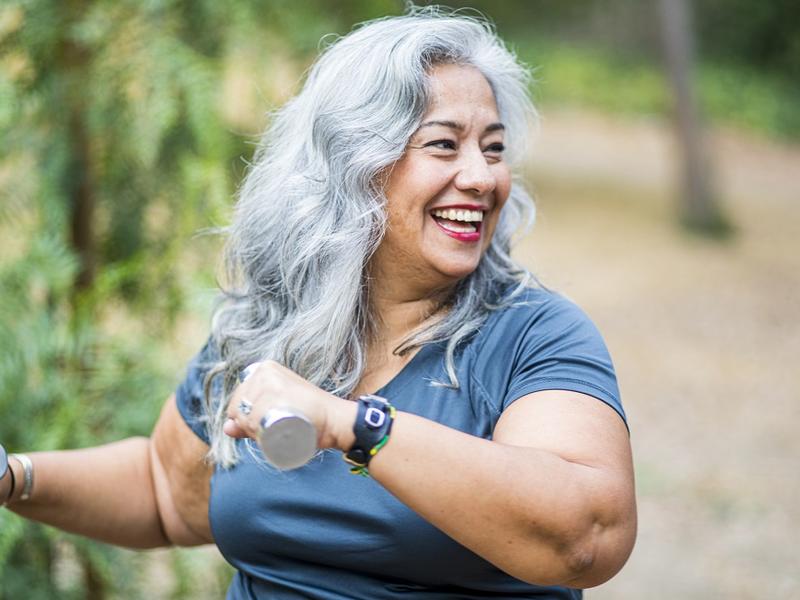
{"x": 370, "y": 255}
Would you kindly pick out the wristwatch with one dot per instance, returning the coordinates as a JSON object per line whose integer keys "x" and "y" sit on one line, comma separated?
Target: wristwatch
{"x": 372, "y": 427}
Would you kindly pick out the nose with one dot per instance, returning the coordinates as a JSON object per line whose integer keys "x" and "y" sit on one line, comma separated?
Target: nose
{"x": 474, "y": 174}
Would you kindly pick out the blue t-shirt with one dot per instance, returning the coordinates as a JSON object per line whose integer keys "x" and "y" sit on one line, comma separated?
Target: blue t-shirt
{"x": 320, "y": 532}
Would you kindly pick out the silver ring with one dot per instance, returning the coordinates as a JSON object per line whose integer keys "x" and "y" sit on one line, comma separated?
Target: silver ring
{"x": 245, "y": 406}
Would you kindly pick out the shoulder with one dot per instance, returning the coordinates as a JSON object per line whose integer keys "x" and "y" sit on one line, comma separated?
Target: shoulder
{"x": 190, "y": 394}
{"x": 534, "y": 313}
{"x": 542, "y": 340}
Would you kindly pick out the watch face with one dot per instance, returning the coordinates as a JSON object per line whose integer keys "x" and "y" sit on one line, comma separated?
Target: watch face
{"x": 3, "y": 462}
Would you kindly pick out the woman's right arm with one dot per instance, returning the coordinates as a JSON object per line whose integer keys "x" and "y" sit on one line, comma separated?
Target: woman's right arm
{"x": 138, "y": 492}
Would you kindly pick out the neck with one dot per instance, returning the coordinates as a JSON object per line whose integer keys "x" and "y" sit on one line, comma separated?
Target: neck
{"x": 400, "y": 308}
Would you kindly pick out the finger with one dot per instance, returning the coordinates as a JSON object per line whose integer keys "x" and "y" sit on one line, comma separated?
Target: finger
{"x": 242, "y": 412}
{"x": 232, "y": 428}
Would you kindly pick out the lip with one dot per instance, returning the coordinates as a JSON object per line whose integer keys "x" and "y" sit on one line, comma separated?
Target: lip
{"x": 461, "y": 206}
{"x": 471, "y": 237}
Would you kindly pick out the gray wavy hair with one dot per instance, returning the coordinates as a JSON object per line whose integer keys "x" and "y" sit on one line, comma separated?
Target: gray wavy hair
{"x": 310, "y": 212}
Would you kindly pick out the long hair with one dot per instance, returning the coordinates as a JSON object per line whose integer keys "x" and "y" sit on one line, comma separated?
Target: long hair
{"x": 311, "y": 211}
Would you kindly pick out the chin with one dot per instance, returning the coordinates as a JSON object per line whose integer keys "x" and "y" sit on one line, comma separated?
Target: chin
{"x": 457, "y": 270}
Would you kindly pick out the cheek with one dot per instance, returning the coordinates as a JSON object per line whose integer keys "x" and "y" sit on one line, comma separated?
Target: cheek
{"x": 503, "y": 189}
{"x": 410, "y": 193}
{"x": 502, "y": 192}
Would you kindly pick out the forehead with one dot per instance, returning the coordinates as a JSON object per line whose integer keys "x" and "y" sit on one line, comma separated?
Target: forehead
{"x": 457, "y": 90}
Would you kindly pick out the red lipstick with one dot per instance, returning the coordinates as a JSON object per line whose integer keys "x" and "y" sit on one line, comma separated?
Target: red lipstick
{"x": 472, "y": 236}
{"x": 461, "y": 236}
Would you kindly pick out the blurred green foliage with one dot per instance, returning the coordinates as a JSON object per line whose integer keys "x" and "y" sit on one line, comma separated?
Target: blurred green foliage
{"x": 737, "y": 96}
{"x": 760, "y": 36}
{"x": 112, "y": 106}
{"x": 606, "y": 54}
{"x": 125, "y": 125}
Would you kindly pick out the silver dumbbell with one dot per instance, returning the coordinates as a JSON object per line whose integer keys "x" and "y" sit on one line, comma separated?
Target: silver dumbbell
{"x": 286, "y": 436}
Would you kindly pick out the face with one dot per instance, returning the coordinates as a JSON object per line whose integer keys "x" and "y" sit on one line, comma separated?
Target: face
{"x": 444, "y": 196}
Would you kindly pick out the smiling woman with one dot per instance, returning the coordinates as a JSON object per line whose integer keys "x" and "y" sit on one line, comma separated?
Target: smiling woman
{"x": 371, "y": 285}
{"x": 445, "y": 195}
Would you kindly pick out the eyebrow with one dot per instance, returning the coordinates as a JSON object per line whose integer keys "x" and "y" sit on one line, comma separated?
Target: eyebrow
{"x": 460, "y": 127}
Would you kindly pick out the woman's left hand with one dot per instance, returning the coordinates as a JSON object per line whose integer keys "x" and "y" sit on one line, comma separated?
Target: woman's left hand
{"x": 271, "y": 385}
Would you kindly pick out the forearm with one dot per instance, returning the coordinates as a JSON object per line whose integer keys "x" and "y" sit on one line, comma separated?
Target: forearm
{"x": 105, "y": 493}
{"x": 527, "y": 511}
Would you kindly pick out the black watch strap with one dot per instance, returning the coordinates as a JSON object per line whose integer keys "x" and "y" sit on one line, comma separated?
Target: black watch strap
{"x": 372, "y": 426}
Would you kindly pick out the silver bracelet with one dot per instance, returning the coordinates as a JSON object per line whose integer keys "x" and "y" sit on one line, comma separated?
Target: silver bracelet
{"x": 27, "y": 467}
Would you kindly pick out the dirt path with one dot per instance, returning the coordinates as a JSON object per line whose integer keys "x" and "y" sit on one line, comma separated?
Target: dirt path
{"x": 705, "y": 336}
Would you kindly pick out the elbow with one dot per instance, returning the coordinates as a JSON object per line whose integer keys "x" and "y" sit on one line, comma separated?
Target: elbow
{"x": 596, "y": 551}
{"x": 583, "y": 557}
{"x": 599, "y": 554}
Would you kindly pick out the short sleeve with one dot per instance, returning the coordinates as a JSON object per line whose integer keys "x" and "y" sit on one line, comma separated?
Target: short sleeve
{"x": 190, "y": 396}
{"x": 561, "y": 349}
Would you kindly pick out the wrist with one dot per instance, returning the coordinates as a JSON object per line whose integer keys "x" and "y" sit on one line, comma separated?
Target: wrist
{"x": 24, "y": 479}
{"x": 371, "y": 430}
{"x": 5, "y": 488}
{"x": 341, "y": 416}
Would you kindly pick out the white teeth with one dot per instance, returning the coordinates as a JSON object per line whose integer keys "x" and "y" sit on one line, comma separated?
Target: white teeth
{"x": 459, "y": 215}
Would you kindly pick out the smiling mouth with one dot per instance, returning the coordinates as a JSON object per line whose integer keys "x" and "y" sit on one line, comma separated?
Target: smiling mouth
{"x": 461, "y": 224}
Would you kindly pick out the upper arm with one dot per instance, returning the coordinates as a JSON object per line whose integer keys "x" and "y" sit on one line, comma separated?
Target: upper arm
{"x": 572, "y": 425}
{"x": 590, "y": 434}
{"x": 182, "y": 478}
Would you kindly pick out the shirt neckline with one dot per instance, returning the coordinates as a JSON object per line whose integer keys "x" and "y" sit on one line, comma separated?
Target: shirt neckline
{"x": 405, "y": 372}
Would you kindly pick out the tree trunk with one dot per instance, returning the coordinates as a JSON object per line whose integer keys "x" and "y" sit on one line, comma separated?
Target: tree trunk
{"x": 94, "y": 585}
{"x": 82, "y": 201}
{"x": 77, "y": 177}
{"x": 698, "y": 206}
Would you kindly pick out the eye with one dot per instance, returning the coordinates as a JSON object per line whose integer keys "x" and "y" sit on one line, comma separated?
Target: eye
{"x": 497, "y": 148}
{"x": 494, "y": 152}
{"x": 441, "y": 144}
